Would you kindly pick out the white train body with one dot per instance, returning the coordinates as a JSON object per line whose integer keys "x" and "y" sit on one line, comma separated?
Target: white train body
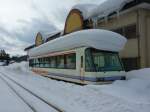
{"x": 82, "y": 61}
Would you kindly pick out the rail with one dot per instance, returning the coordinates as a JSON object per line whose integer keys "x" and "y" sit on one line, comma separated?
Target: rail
{"x": 30, "y": 92}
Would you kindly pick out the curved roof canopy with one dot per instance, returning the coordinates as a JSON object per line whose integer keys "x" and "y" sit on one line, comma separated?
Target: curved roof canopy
{"x": 42, "y": 37}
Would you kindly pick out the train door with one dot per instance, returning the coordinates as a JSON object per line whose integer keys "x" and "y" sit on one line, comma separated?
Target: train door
{"x": 81, "y": 69}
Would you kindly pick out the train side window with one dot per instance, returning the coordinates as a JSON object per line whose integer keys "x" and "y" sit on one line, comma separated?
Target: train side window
{"x": 46, "y": 62}
{"x": 42, "y": 65}
{"x": 53, "y": 62}
{"x": 70, "y": 60}
{"x": 60, "y": 61}
{"x": 36, "y": 62}
{"x": 49, "y": 62}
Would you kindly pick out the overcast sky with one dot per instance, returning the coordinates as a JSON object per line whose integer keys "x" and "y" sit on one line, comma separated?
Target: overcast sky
{"x": 20, "y": 20}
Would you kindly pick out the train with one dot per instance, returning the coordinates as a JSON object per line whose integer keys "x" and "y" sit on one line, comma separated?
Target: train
{"x": 83, "y": 57}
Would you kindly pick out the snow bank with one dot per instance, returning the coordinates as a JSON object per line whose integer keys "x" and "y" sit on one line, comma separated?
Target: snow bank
{"x": 9, "y": 101}
{"x": 22, "y": 67}
{"x": 101, "y": 10}
{"x": 132, "y": 95}
{"x": 135, "y": 89}
{"x": 2, "y": 63}
{"x": 96, "y": 38}
{"x": 140, "y": 74}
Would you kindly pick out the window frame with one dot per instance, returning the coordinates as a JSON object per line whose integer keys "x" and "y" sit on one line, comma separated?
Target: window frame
{"x": 66, "y": 61}
{"x": 34, "y": 64}
{"x": 124, "y": 29}
{"x": 121, "y": 64}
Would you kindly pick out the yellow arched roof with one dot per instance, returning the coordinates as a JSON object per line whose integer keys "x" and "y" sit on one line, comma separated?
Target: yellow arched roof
{"x": 74, "y": 21}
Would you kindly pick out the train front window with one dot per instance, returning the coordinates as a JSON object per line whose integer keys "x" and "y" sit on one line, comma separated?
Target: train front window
{"x": 97, "y": 61}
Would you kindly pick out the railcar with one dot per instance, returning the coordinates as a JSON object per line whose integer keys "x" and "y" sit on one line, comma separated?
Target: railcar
{"x": 90, "y": 56}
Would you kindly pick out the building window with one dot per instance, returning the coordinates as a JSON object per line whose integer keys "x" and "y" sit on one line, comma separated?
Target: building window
{"x": 131, "y": 63}
{"x": 119, "y": 30}
{"x": 128, "y": 31}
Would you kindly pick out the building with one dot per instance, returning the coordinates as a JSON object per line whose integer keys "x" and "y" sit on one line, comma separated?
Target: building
{"x": 132, "y": 21}
{"x": 43, "y": 37}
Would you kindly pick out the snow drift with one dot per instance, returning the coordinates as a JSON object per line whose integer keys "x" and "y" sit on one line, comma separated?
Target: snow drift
{"x": 131, "y": 95}
{"x": 96, "y": 38}
{"x": 140, "y": 74}
{"x": 135, "y": 89}
{"x": 22, "y": 67}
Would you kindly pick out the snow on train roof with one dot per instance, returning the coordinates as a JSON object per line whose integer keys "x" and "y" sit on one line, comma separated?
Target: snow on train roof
{"x": 101, "y": 9}
{"x": 96, "y": 38}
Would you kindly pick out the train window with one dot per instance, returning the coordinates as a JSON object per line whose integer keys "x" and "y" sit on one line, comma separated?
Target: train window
{"x": 70, "y": 61}
{"x": 47, "y": 62}
{"x": 67, "y": 61}
{"x": 60, "y": 61}
{"x": 36, "y": 62}
{"x": 53, "y": 62}
{"x": 41, "y": 62}
{"x": 97, "y": 60}
{"x": 89, "y": 65}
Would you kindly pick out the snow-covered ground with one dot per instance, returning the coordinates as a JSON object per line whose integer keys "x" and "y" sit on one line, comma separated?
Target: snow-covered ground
{"x": 132, "y": 95}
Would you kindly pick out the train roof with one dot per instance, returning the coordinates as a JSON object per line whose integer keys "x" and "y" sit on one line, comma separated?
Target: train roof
{"x": 95, "y": 38}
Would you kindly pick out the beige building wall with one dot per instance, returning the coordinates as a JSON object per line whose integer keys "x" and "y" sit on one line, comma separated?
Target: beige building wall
{"x": 137, "y": 47}
{"x": 144, "y": 35}
{"x": 148, "y": 39}
{"x": 117, "y": 22}
{"x": 131, "y": 49}
{"x": 148, "y": 36}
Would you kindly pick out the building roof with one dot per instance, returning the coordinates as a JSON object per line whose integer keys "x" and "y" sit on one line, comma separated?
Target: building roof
{"x": 106, "y": 8}
{"x": 102, "y": 9}
{"x": 29, "y": 47}
{"x": 46, "y": 37}
{"x": 134, "y": 3}
{"x": 96, "y": 38}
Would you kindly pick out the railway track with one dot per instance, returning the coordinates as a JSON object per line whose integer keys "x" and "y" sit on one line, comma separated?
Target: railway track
{"x": 9, "y": 80}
